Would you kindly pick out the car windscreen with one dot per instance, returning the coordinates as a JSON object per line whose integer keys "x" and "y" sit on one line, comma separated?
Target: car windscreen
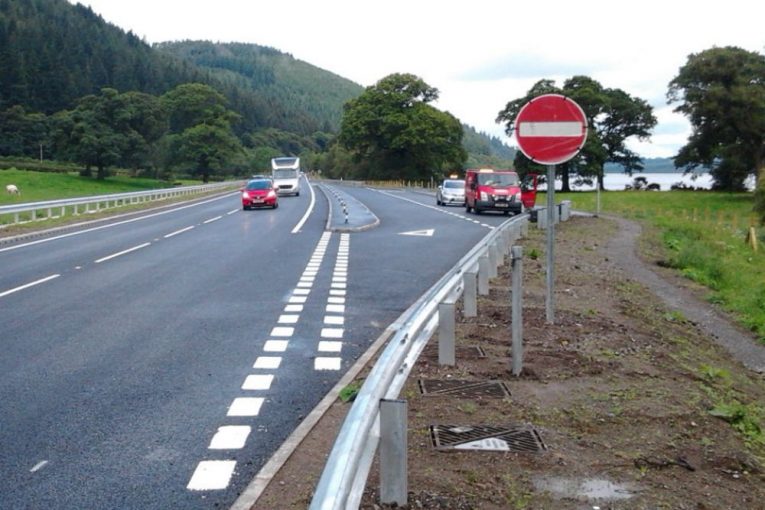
{"x": 285, "y": 174}
{"x": 259, "y": 185}
{"x": 497, "y": 180}
{"x": 454, "y": 184}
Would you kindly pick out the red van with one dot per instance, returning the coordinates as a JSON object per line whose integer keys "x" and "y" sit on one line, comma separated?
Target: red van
{"x": 497, "y": 190}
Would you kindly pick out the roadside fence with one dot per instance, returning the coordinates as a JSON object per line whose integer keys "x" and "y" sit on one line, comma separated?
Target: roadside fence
{"x": 38, "y": 211}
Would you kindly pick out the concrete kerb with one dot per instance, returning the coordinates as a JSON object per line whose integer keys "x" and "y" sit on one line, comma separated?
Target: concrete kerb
{"x": 332, "y": 224}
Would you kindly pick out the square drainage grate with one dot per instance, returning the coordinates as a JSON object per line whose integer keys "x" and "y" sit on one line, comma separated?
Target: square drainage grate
{"x": 514, "y": 438}
{"x": 467, "y": 352}
{"x": 493, "y": 389}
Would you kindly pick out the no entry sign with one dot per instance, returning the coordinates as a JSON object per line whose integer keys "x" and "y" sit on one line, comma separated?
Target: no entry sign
{"x": 550, "y": 129}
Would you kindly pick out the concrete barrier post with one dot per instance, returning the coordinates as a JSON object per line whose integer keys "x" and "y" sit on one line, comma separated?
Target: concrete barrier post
{"x": 483, "y": 275}
{"x": 470, "y": 302}
{"x": 492, "y": 254}
{"x": 542, "y": 218}
{"x": 393, "y": 446}
{"x": 446, "y": 333}
{"x": 517, "y": 309}
{"x": 499, "y": 249}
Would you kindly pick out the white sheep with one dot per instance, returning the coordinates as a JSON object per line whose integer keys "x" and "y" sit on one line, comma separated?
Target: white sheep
{"x": 12, "y": 189}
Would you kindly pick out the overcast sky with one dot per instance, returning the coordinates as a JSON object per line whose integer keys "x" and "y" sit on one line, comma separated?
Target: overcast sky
{"x": 480, "y": 54}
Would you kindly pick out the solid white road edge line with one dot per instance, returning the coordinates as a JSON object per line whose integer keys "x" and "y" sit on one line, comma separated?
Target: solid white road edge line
{"x": 307, "y": 212}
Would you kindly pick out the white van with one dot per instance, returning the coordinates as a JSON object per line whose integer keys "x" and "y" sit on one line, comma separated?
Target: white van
{"x": 286, "y": 174}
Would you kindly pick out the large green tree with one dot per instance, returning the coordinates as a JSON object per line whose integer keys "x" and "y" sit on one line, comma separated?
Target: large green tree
{"x": 23, "y": 133}
{"x": 613, "y": 117}
{"x": 395, "y": 134}
{"x": 722, "y": 92}
{"x": 110, "y": 129}
{"x": 201, "y": 139}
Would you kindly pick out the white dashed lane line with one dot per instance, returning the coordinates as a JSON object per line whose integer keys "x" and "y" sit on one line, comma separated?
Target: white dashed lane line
{"x": 123, "y": 252}
{"x": 38, "y": 466}
{"x": 181, "y": 231}
{"x": 30, "y": 284}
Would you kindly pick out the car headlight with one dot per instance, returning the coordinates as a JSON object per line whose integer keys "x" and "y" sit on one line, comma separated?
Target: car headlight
{"x": 518, "y": 196}
{"x": 484, "y": 196}
{"x": 245, "y": 195}
{"x": 271, "y": 194}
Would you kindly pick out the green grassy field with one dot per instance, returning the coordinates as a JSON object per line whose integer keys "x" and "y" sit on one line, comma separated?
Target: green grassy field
{"x": 703, "y": 235}
{"x": 37, "y": 186}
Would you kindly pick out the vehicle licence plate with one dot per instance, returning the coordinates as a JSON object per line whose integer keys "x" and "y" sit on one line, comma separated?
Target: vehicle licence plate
{"x": 501, "y": 204}
{"x": 257, "y": 201}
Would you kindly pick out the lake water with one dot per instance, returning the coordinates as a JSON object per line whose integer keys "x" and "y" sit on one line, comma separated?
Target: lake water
{"x": 617, "y": 182}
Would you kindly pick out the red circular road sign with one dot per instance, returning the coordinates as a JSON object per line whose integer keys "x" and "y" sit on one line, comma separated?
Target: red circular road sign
{"x": 550, "y": 129}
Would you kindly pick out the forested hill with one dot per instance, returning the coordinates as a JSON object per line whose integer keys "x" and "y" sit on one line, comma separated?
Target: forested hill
{"x": 52, "y": 53}
{"x": 276, "y": 76}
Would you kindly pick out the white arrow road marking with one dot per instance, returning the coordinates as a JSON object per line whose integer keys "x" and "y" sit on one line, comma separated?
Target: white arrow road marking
{"x": 424, "y": 233}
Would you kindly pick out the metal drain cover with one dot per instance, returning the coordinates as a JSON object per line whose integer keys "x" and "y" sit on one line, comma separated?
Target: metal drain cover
{"x": 495, "y": 389}
{"x": 514, "y": 438}
{"x": 466, "y": 352}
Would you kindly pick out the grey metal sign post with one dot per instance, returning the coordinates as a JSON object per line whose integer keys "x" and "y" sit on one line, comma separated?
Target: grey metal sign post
{"x": 550, "y": 301}
{"x": 550, "y": 129}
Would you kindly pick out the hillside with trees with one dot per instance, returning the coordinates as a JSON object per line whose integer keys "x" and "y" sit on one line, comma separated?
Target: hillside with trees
{"x": 276, "y": 76}
{"x": 77, "y": 89}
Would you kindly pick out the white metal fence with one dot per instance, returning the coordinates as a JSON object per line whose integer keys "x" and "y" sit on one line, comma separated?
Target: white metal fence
{"x": 37, "y": 211}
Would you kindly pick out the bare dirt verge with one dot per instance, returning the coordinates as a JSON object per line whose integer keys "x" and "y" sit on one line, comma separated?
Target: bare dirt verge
{"x": 636, "y": 405}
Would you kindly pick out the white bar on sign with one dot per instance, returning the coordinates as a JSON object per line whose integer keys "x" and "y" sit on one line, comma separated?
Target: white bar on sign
{"x": 532, "y": 129}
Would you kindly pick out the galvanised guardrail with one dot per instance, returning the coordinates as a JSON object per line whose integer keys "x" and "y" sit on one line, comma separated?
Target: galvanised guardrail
{"x": 38, "y": 211}
{"x": 345, "y": 474}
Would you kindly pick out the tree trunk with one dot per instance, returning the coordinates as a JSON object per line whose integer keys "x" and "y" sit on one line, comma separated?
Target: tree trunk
{"x": 565, "y": 177}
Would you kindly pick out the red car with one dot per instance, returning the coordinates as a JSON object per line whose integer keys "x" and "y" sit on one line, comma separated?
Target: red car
{"x": 259, "y": 193}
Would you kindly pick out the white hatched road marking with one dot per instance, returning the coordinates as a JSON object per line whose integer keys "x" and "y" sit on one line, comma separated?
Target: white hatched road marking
{"x": 258, "y": 382}
{"x": 275, "y": 345}
{"x": 327, "y": 363}
{"x": 267, "y": 362}
{"x": 231, "y": 437}
{"x": 217, "y": 474}
{"x": 212, "y": 475}
{"x": 245, "y": 406}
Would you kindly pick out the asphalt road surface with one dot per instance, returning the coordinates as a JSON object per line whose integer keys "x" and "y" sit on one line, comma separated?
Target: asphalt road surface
{"x": 158, "y": 362}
